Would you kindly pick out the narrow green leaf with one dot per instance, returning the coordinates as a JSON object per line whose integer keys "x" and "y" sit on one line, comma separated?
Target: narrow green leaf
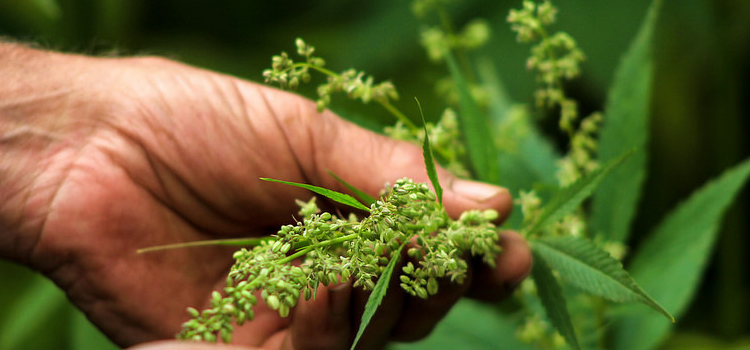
{"x": 361, "y": 195}
{"x": 581, "y": 263}
{"x": 376, "y": 297}
{"x": 237, "y": 242}
{"x": 626, "y": 127}
{"x": 568, "y": 199}
{"x": 476, "y": 128}
{"x": 336, "y": 196}
{"x": 670, "y": 263}
{"x": 429, "y": 159}
{"x": 552, "y": 298}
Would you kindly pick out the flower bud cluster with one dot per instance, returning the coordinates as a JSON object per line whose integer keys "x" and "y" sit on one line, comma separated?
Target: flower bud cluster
{"x": 357, "y": 86}
{"x": 437, "y": 42}
{"x": 288, "y": 74}
{"x": 555, "y": 58}
{"x": 336, "y": 250}
{"x": 580, "y": 159}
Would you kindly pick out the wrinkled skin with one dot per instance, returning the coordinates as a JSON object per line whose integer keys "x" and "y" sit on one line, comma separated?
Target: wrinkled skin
{"x": 104, "y": 156}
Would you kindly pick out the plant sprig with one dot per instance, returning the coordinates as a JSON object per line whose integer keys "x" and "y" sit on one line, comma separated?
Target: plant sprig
{"x": 337, "y": 250}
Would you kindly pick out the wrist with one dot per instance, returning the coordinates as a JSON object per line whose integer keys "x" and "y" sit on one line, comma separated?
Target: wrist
{"x": 41, "y": 128}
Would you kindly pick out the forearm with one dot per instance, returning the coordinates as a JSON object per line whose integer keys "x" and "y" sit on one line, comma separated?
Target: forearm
{"x": 38, "y": 128}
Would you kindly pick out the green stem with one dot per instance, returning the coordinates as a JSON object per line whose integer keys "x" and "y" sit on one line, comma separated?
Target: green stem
{"x": 387, "y": 105}
{"x": 400, "y": 116}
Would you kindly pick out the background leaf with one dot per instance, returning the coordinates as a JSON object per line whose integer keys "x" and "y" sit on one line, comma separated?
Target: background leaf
{"x": 32, "y": 314}
{"x": 525, "y": 158}
{"x": 568, "y": 198}
{"x": 625, "y": 128}
{"x": 472, "y": 325}
{"x": 582, "y": 264}
{"x": 476, "y": 129}
{"x": 680, "y": 248}
{"x": 336, "y": 196}
{"x": 553, "y": 300}
{"x": 376, "y": 297}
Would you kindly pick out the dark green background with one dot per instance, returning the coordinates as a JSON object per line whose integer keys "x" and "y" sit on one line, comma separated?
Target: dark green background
{"x": 700, "y": 104}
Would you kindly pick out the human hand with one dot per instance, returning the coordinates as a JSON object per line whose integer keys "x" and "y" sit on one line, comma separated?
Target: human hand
{"x": 103, "y": 156}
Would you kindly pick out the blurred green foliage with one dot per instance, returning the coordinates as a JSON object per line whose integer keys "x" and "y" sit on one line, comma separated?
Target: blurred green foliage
{"x": 700, "y": 105}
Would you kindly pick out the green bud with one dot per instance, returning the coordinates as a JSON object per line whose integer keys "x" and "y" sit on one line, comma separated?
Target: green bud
{"x": 325, "y": 216}
{"x": 405, "y": 278}
{"x": 421, "y": 292}
{"x": 332, "y": 277}
{"x": 225, "y": 335}
{"x": 193, "y": 312}
{"x": 408, "y": 268}
{"x": 369, "y": 285}
{"x": 490, "y": 214}
{"x": 273, "y": 302}
{"x": 432, "y": 286}
{"x": 283, "y": 310}
{"x": 308, "y": 293}
{"x": 290, "y": 300}
{"x": 285, "y": 248}
{"x": 414, "y": 253}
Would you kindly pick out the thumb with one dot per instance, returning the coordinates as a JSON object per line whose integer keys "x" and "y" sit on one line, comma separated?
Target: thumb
{"x": 369, "y": 160}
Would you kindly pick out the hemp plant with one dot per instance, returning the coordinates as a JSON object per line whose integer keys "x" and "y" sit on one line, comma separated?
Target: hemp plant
{"x": 337, "y": 249}
{"x": 486, "y": 137}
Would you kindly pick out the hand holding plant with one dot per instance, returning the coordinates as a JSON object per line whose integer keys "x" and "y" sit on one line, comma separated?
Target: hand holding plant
{"x": 141, "y": 152}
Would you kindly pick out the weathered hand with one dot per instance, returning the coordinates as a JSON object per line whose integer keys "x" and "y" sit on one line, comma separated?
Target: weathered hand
{"x": 104, "y": 156}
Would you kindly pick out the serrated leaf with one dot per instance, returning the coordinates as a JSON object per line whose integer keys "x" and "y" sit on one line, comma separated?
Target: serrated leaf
{"x": 361, "y": 195}
{"x": 476, "y": 129}
{"x": 377, "y": 295}
{"x": 568, "y": 198}
{"x": 671, "y": 261}
{"x": 552, "y": 298}
{"x": 626, "y": 127}
{"x": 429, "y": 159}
{"x": 584, "y": 265}
{"x": 333, "y": 195}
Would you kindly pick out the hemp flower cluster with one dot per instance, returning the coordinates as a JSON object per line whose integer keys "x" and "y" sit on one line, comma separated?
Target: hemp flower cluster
{"x": 437, "y": 41}
{"x": 288, "y": 74}
{"x": 337, "y": 250}
{"x": 555, "y": 58}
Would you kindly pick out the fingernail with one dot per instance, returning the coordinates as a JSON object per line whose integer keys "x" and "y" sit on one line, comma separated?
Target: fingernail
{"x": 476, "y": 191}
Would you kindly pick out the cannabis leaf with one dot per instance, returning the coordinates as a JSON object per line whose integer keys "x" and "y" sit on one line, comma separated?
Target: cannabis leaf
{"x": 553, "y": 300}
{"x": 333, "y": 195}
{"x": 364, "y": 197}
{"x": 680, "y": 246}
{"x": 581, "y": 263}
{"x": 625, "y": 127}
{"x": 570, "y": 197}
{"x": 376, "y": 297}
{"x": 476, "y": 129}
